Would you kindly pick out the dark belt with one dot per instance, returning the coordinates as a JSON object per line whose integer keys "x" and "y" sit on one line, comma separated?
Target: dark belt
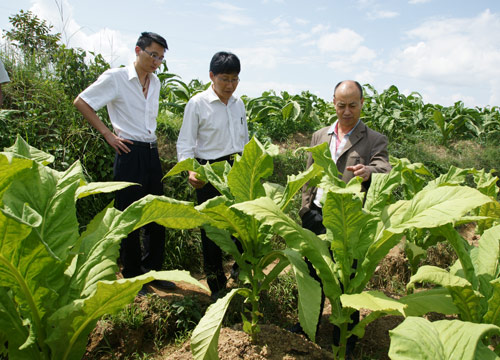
{"x": 151, "y": 145}
{"x": 229, "y": 158}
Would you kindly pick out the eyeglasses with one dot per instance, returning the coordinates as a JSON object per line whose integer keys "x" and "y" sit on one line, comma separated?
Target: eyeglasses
{"x": 229, "y": 81}
{"x": 154, "y": 56}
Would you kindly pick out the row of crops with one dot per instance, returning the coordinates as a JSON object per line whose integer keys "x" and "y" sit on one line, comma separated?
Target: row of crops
{"x": 277, "y": 116}
{"x": 55, "y": 282}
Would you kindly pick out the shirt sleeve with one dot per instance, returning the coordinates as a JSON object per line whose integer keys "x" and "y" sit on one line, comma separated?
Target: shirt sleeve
{"x": 186, "y": 142}
{"x": 245, "y": 121}
{"x": 101, "y": 92}
{"x": 4, "y": 77}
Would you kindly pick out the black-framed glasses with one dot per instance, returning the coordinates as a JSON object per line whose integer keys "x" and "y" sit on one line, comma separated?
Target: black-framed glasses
{"x": 226, "y": 80}
{"x": 154, "y": 56}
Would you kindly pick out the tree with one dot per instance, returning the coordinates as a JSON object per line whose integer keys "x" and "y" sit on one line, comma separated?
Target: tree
{"x": 32, "y": 35}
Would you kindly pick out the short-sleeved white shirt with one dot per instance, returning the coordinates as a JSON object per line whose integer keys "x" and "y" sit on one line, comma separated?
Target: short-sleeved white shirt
{"x": 211, "y": 129}
{"x": 132, "y": 115}
{"x": 4, "y": 77}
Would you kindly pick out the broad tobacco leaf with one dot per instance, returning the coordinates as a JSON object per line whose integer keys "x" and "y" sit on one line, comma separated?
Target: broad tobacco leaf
{"x": 205, "y": 337}
{"x": 53, "y": 272}
{"x": 443, "y": 340}
{"x": 244, "y": 179}
{"x": 73, "y": 322}
{"x": 23, "y": 149}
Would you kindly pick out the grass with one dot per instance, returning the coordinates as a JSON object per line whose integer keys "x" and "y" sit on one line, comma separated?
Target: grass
{"x": 145, "y": 327}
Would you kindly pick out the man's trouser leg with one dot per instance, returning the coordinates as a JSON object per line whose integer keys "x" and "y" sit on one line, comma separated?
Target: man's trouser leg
{"x": 212, "y": 254}
{"x": 140, "y": 165}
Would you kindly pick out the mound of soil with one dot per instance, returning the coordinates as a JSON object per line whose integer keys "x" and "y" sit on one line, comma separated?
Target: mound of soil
{"x": 273, "y": 343}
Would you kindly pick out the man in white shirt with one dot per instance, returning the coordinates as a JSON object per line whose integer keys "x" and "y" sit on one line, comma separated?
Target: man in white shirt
{"x": 4, "y": 78}
{"x": 214, "y": 128}
{"x": 131, "y": 95}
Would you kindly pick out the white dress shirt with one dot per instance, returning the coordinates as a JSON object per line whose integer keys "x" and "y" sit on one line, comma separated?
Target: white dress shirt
{"x": 132, "y": 115}
{"x": 212, "y": 129}
{"x": 4, "y": 77}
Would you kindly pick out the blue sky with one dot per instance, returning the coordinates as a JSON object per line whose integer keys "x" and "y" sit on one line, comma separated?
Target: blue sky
{"x": 445, "y": 50}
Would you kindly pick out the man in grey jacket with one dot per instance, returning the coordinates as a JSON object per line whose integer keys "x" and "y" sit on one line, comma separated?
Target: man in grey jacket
{"x": 357, "y": 151}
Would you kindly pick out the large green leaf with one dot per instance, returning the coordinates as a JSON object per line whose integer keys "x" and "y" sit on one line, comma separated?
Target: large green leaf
{"x": 466, "y": 300}
{"x": 49, "y": 197}
{"x": 244, "y": 179}
{"x": 323, "y": 158}
{"x": 417, "y": 338}
{"x": 374, "y": 301}
{"x": 9, "y": 168}
{"x": 21, "y": 345}
{"x": 488, "y": 257}
{"x": 432, "y": 300}
{"x": 101, "y": 240}
{"x": 24, "y": 262}
{"x": 205, "y": 336}
{"x": 343, "y": 217}
{"x": 429, "y": 208}
{"x": 435, "y": 207}
{"x": 72, "y": 323}
{"x": 22, "y": 148}
{"x": 297, "y": 238}
{"x": 222, "y": 216}
{"x": 380, "y": 190}
{"x": 296, "y": 182}
{"x": 309, "y": 294}
{"x": 100, "y": 188}
{"x": 492, "y": 315}
{"x": 454, "y": 176}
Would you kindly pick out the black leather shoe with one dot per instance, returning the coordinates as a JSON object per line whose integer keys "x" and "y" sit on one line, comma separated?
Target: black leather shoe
{"x": 235, "y": 272}
{"x": 163, "y": 284}
{"x": 296, "y": 329}
{"x": 143, "y": 291}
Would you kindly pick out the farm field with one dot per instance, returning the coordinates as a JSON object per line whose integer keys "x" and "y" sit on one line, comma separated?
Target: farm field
{"x": 426, "y": 236}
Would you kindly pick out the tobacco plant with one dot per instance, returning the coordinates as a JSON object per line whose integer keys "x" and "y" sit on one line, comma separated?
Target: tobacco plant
{"x": 364, "y": 227}
{"x": 239, "y": 184}
{"x": 55, "y": 283}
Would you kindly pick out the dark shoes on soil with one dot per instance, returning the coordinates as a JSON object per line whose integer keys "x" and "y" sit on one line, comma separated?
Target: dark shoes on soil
{"x": 163, "y": 284}
{"x": 297, "y": 329}
{"x": 235, "y": 272}
{"x": 143, "y": 292}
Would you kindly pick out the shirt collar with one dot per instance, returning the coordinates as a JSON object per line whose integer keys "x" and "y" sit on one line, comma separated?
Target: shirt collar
{"x": 132, "y": 73}
{"x": 333, "y": 128}
{"x": 212, "y": 96}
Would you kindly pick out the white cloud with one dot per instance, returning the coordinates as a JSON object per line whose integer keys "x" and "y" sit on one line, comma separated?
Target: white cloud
{"x": 382, "y": 14}
{"x": 114, "y": 46}
{"x": 418, "y": 1}
{"x": 231, "y": 14}
{"x": 344, "y": 40}
{"x": 456, "y": 51}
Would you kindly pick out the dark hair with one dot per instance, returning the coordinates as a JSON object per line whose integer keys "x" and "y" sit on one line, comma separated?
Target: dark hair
{"x": 358, "y": 85}
{"x": 225, "y": 63}
{"x": 147, "y": 38}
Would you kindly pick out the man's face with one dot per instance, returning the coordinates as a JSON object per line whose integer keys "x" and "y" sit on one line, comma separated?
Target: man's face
{"x": 224, "y": 85}
{"x": 150, "y": 58}
{"x": 348, "y": 104}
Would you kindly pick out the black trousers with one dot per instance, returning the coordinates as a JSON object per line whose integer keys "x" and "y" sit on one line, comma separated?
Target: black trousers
{"x": 141, "y": 165}
{"x": 313, "y": 220}
{"x": 212, "y": 254}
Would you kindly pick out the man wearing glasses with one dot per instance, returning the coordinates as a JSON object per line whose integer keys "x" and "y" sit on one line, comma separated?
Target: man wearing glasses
{"x": 131, "y": 95}
{"x": 214, "y": 128}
